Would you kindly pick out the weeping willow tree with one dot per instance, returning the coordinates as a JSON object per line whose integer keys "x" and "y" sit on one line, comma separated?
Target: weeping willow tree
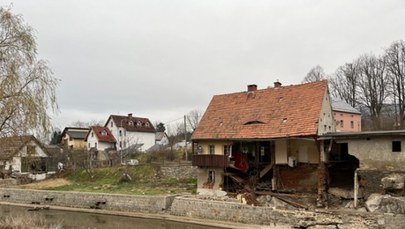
{"x": 27, "y": 85}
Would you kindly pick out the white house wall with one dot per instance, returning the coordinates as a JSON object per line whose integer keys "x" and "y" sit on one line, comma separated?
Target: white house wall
{"x": 376, "y": 153}
{"x": 92, "y": 140}
{"x": 129, "y": 138}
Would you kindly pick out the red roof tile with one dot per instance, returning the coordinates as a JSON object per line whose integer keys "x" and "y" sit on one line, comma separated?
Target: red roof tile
{"x": 103, "y": 134}
{"x": 268, "y": 113}
{"x": 134, "y": 124}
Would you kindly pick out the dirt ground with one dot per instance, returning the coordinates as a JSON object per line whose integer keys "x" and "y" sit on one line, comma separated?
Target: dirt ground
{"x": 47, "y": 183}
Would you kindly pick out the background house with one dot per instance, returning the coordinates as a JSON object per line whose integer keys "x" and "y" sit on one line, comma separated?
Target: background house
{"x": 161, "y": 138}
{"x": 131, "y": 132}
{"x": 266, "y": 135}
{"x": 100, "y": 139}
{"x": 74, "y": 138}
{"x": 347, "y": 118}
{"x": 25, "y": 155}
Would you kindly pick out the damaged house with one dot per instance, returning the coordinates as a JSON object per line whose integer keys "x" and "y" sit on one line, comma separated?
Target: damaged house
{"x": 376, "y": 158}
{"x": 264, "y": 139}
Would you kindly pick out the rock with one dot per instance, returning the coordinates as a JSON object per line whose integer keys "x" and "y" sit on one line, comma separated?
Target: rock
{"x": 279, "y": 204}
{"x": 393, "y": 182}
{"x": 373, "y": 202}
{"x": 394, "y": 205}
{"x": 349, "y": 204}
{"x": 363, "y": 209}
{"x": 343, "y": 193}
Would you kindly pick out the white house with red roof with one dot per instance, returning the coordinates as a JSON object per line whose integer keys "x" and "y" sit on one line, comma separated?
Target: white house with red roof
{"x": 131, "y": 132}
{"x": 100, "y": 138}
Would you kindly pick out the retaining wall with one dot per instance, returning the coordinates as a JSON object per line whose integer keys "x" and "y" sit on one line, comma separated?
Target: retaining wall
{"x": 130, "y": 203}
{"x": 180, "y": 172}
{"x": 242, "y": 213}
{"x": 192, "y": 207}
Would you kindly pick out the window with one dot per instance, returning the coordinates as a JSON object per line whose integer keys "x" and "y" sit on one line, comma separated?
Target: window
{"x": 341, "y": 123}
{"x": 211, "y": 176}
{"x": 130, "y": 123}
{"x": 396, "y": 146}
{"x": 125, "y": 144}
{"x": 324, "y": 127}
{"x": 92, "y": 134}
{"x": 120, "y": 144}
{"x": 112, "y": 124}
{"x": 139, "y": 123}
{"x": 211, "y": 149}
{"x": 120, "y": 133}
{"x": 104, "y": 133}
{"x": 30, "y": 150}
{"x": 95, "y": 145}
{"x": 89, "y": 144}
{"x": 147, "y": 124}
{"x": 227, "y": 150}
{"x": 351, "y": 124}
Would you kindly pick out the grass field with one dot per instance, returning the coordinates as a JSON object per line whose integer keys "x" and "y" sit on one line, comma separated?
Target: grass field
{"x": 144, "y": 181}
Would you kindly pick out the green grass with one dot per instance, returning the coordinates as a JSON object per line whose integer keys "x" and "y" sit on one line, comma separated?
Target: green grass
{"x": 108, "y": 180}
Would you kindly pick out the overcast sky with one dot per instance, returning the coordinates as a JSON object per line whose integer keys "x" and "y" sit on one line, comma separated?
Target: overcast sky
{"x": 161, "y": 59}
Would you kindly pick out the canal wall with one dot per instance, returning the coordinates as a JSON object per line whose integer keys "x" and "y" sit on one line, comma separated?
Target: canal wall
{"x": 242, "y": 213}
{"x": 114, "y": 202}
{"x": 200, "y": 208}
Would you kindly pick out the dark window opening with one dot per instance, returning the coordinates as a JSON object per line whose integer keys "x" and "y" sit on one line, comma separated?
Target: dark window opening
{"x": 211, "y": 176}
{"x": 396, "y": 146}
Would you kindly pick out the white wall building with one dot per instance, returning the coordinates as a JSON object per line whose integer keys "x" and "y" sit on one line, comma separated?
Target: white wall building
{"x": 100, "y": 138}
{"x": 130, "y": 131}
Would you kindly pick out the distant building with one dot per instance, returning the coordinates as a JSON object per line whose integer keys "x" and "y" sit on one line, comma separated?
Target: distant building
{"x": 347, "y": 118}
{"x": 131, "y": 132}
{"x": 25, "y": 155}
{"x": 74, "y": 137}
{"x": 100, "y": 138}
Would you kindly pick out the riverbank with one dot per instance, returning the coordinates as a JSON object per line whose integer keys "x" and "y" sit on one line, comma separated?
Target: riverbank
{"x": 226, "y": 213}
{"x": 179, "y": 219}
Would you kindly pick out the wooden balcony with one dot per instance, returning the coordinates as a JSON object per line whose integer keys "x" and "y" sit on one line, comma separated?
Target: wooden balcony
{"x": 209, "y": 160}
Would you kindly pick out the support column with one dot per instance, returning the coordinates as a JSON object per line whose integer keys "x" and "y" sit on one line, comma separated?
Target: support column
{"x": 322, "y": 177}
{"x": 356, "y": 189}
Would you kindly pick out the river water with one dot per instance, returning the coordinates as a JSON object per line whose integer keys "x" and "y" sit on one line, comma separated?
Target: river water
{"x": 70, "y": 220}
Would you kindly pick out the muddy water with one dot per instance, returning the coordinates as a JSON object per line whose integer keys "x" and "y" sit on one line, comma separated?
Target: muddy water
{"x": 70, "y": 220}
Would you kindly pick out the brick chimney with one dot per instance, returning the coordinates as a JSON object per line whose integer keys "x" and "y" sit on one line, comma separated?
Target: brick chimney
{"x": 277, "y": 84}
{"x": 252, "y": 87}
{"x": 130, "y": 115}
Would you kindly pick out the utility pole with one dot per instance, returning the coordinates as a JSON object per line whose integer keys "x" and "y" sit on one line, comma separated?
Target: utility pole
{"x": 185, "y": 137}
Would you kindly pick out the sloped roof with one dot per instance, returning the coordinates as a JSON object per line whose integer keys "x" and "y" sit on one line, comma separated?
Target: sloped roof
{"x": 342, "y": 106}
{"x": 107, "y": 137}
{"x": 159, "y": 136}
{"x": 11, "y": 145}
{"x": 125, "y": 122}
{"x": 262, "y": 114}
{"x": 76, "y": 132}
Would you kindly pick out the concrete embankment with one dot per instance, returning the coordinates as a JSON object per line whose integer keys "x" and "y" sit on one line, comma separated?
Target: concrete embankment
{"x": 189, "y": 208}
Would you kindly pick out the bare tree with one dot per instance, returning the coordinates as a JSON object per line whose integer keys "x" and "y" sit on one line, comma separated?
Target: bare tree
{"x": 315, "y": 74}
{"x": 193, "y": 118}
{"x": 345, "y": 84}
{"x": 395, "y": 61}
{"x": 373, "y": 86}
{"x": 87, "y": 124}
{"x": 27, "y": 85}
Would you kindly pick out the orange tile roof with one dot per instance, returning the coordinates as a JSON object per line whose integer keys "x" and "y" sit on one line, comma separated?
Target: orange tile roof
{"x": 288, "y": 111}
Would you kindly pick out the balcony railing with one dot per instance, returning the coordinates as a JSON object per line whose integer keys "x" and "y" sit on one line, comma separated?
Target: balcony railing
{"x": 209, "y": 160}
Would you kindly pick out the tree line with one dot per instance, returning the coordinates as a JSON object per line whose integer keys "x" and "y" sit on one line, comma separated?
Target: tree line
{"x": 374, "y": 84}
